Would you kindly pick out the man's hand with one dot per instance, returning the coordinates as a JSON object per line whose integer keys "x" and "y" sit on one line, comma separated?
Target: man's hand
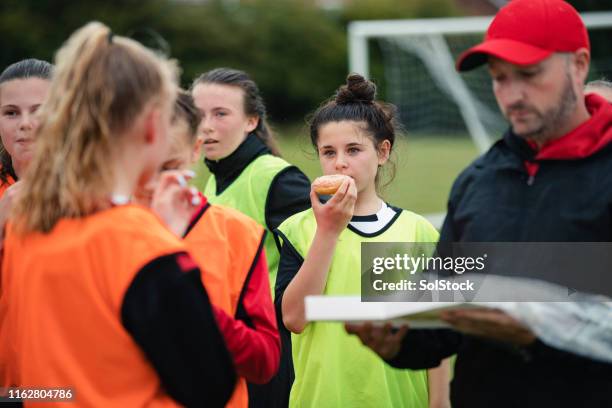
{"x": 490, "y": 323}
{"x": 384, "y": 340}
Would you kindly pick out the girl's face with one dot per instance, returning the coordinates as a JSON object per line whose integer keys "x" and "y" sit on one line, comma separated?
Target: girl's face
{"x": 345, "y": 148}
{"x": 224, "y": 124}
{"x": 19, "y": 101}
{"x": 180, "y": 155}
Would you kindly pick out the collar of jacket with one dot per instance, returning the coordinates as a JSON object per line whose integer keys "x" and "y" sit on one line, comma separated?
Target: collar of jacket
{"x": 584, "y": 141}
{"x": 228, "y": 169}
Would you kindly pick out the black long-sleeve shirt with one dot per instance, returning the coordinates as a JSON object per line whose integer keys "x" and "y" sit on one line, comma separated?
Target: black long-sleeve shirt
{"x": 168, "y": 313}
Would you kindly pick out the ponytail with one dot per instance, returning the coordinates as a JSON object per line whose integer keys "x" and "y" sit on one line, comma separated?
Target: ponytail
{"x": 101, "y": 83}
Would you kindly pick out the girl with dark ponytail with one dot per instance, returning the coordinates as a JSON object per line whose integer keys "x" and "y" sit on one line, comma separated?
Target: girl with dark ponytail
{"x": 228, "y": 247}
{"x": 353, "y": 135}
{"x": 240, "y": 152}
{"x": 23, "y": 88}
{"x": 248, "y": 173}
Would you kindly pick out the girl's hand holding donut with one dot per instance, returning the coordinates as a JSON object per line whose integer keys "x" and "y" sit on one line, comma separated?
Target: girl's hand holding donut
{"x": 333, "y": 216}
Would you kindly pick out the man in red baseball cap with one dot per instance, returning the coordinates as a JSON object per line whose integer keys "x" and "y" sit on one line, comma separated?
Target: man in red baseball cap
{"x": 538, "y": 55}
{"x": 549, "y": 179}
{"x": 528, "y": 32}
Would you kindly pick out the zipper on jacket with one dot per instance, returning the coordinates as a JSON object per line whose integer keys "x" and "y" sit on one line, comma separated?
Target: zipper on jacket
{"x": 530, "y": 180}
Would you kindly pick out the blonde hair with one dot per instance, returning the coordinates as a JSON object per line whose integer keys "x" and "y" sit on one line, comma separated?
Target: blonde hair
{"x": 101, "y": 84}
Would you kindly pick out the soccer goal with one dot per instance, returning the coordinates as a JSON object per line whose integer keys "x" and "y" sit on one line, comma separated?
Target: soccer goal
{"x": 418, "y": 65}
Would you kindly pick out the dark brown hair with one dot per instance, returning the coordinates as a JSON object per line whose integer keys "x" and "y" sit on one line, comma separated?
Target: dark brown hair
{"x": 253, "y": 101}
{"x": 356, "y": 101}
{"x": 185, "y": 109}
{"x": 24, "y": 69}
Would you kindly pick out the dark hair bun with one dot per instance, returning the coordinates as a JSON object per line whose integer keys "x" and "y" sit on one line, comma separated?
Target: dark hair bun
{"x": 357, "y": 90}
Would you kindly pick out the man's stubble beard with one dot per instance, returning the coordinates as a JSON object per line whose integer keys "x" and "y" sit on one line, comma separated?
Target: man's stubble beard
{"x": 554, "y": 118}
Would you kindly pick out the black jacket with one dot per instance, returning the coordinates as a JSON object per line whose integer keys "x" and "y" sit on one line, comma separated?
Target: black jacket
{"x": 496, "y": 200}
{"x": 514, "y": 194}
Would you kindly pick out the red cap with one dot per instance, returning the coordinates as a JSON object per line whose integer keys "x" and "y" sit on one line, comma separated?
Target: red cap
{"x": 525, "y": 32}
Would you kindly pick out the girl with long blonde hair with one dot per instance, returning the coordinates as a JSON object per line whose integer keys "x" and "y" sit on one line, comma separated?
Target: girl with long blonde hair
{"x": 97, "y": 294}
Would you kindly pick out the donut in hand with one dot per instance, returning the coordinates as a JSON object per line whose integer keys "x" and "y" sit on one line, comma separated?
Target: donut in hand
{"x": 327, "y": 185}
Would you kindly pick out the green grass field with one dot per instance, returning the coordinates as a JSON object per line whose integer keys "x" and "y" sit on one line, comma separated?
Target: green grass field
{"x": 426, "y": 168}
